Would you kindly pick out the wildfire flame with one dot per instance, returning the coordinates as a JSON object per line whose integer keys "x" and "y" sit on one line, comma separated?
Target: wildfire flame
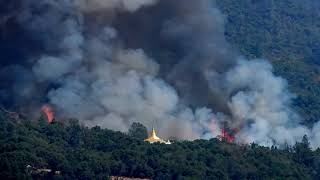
{"x": 225, "y": 136}
{"x": 48, "y": 111}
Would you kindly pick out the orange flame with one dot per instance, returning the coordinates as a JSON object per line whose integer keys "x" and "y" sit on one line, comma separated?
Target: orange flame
{"x": 48, "y": 111}
{"x": 225, "y": 136}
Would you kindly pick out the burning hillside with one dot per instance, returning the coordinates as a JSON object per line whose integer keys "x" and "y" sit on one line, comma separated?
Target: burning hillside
{"x": 113, "y": 62}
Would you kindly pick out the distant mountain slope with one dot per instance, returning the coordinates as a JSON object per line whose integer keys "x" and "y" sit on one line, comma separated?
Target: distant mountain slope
{"x": 286, "y": 32}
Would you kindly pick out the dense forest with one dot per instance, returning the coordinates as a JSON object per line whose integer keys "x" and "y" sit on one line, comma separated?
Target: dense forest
{"x": 78, "y": 152}
{"x": 287, "y": 33}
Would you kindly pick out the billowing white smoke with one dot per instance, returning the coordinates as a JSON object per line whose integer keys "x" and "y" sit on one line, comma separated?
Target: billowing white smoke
{"x": 115, "y": 93}
{"x": 124, "y": 5}
{"x": 261, "y": 105}
{"x": 104, "y": 73}
{"x": 315, "y": 136}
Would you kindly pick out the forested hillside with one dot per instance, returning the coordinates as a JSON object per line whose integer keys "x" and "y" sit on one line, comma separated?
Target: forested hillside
{"x": 286, "y": 32}
{"x": 77, "y": 152}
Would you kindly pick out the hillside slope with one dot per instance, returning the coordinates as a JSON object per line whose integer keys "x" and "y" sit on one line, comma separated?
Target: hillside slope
{"x": 77, "y": 152}
{"x": 287, "y": 33}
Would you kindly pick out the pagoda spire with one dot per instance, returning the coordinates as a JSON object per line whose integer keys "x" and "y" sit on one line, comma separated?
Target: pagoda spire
{"x": 153, "y": 134}
{"x": 154, "y": 138}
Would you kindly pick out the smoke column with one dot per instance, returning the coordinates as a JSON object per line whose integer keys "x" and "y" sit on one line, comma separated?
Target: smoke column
{"x": 113, "y": 62}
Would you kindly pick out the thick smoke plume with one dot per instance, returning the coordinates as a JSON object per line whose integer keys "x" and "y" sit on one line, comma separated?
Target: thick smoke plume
{"x": 113, "y": 62}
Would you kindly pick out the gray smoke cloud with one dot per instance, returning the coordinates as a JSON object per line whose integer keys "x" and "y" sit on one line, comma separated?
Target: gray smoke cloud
{"x": 123, "y": 5}
{"x": 114, "y": 62}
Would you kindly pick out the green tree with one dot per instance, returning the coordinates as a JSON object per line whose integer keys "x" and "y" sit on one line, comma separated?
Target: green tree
{"x": 75, "y": 133}
{"x": 138, "y": 131}
{"x": 303, "y": 153}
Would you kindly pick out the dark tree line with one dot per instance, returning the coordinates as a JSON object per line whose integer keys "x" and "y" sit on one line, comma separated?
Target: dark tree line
{"x": 82, "y": 153}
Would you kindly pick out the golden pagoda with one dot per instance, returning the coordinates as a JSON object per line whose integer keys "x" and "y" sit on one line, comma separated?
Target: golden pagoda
{"x": 154, "y": 138}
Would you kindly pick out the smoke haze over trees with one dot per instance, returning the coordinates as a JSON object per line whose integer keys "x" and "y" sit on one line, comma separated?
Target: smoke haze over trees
{"x": 111, "y": 63}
